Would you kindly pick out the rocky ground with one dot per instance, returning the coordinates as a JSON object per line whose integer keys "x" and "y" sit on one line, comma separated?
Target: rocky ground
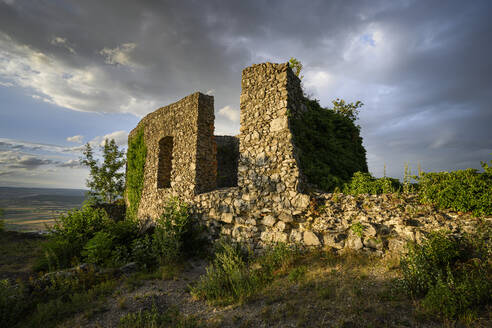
{"x": 331, "y": 291}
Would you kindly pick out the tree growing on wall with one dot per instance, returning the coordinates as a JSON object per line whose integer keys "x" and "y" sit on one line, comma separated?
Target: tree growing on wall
{"x": 106, "y": 180}
{"x": 296, "y": 66}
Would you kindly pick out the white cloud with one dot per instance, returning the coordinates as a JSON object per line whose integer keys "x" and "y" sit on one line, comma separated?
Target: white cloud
{"x": 120, "y": 137}
{"x": 78, "y": 139}
{"x": 87, "y": 88}
{"x": 119, "y": 55}
{"x": 229, "y": 112}
{"x": 6, "y": 84}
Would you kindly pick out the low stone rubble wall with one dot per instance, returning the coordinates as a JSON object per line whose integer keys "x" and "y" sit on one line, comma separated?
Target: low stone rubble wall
{"x": 368, "y": 223}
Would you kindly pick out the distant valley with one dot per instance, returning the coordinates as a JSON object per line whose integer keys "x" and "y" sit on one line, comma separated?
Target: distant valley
{"x": 31, "y": 209}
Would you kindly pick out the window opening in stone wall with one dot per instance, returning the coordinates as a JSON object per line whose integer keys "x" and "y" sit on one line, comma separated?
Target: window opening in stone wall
{"x": 227, "y": 161}
{"x": 165, "y": 162}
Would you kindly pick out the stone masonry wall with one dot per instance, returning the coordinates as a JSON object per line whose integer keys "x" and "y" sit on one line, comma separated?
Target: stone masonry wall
{"x": 189, "y": 122}
{"x": 270, "y": 203}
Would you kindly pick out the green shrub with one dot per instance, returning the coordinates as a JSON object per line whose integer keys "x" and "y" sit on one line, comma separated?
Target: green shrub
{"x": 2, "y": 225}
{"x": 227, "y": 279}
{"x": 98, "y": 248}
{"x": 365, "y": 183}
{"x": 329, "y": 144}
{"x": 70, "y": 233}
{"x": 463, "y": 190}
{"x": 175, "y": 233}
{"x": 136, "y": 156}
{"x": 144, "y": 253}
{"x": 234, "y": 276}
{"x": 277, "y": 257}
{"x": 452, "y": 275}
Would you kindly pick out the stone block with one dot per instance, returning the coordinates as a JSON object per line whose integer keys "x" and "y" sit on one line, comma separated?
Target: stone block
{"x": 227, "y": 217}
{"x": 310, "y": 239}
{"x": 269, "y": 220}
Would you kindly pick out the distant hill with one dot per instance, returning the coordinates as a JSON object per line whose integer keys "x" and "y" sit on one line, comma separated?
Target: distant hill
{"x": 16, "y": 192}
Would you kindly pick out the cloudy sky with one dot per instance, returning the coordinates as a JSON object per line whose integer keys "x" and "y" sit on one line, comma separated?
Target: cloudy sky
{"x": 73, "y": 72}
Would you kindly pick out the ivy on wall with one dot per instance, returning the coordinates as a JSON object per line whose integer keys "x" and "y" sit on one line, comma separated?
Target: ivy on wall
{"x": 329, "y": 146}
{"x": 136, "y": 156}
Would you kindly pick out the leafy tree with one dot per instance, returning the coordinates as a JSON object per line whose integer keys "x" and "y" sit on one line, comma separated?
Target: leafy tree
{"x": 349, "y": 110}
{"x": 106, "y": 180}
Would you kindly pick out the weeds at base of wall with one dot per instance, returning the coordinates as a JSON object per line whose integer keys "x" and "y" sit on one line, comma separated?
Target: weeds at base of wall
{"x": 234, "y": 276}
{"x": 451, "y": 275}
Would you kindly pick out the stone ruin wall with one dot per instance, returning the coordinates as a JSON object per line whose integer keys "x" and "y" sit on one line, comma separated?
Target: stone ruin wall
{"x": 188, "y": 127}
{"x": 267, "y": 202}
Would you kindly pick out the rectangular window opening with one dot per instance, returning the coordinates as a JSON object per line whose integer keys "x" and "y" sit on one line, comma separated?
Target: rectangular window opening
{"x": 165, "y": 162}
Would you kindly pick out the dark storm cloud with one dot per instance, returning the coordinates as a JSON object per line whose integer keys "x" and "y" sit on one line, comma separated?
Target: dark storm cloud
{"x": 422, "y": 68}
{"x": 29, "y": 163}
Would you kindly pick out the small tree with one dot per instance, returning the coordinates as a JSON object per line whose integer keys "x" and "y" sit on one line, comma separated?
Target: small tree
{"x": 349, "y": 110}
{"x": 296, "y": 66}
{"x": 106, "y": 181}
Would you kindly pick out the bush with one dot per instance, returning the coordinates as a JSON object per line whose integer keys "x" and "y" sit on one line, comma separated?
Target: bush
{"x": 143, "y": 252}
{"x": 365, "y": 183}
{"x": 98, "y": 248}
{"x": 70, "y": 233}
{"x": 463, "y": 190}
{"x": 227, "y": 279}
{"x": 173, "y": 231}
{"x": 233, "y": 277}
{"x": 176, "y": 235}
{"x": 452, "y": 275}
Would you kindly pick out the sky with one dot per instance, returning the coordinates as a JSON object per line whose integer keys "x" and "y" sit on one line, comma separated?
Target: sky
{"x": 73, "y": 72}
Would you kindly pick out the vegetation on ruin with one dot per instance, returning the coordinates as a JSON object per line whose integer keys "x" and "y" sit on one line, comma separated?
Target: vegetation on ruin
{"x": 106, "y": 180}
{"x": 461, "y": 190}
{"x": 136, "y": 155}
{"x": 296, "y": 67}
{"x": 329, "y": 144}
